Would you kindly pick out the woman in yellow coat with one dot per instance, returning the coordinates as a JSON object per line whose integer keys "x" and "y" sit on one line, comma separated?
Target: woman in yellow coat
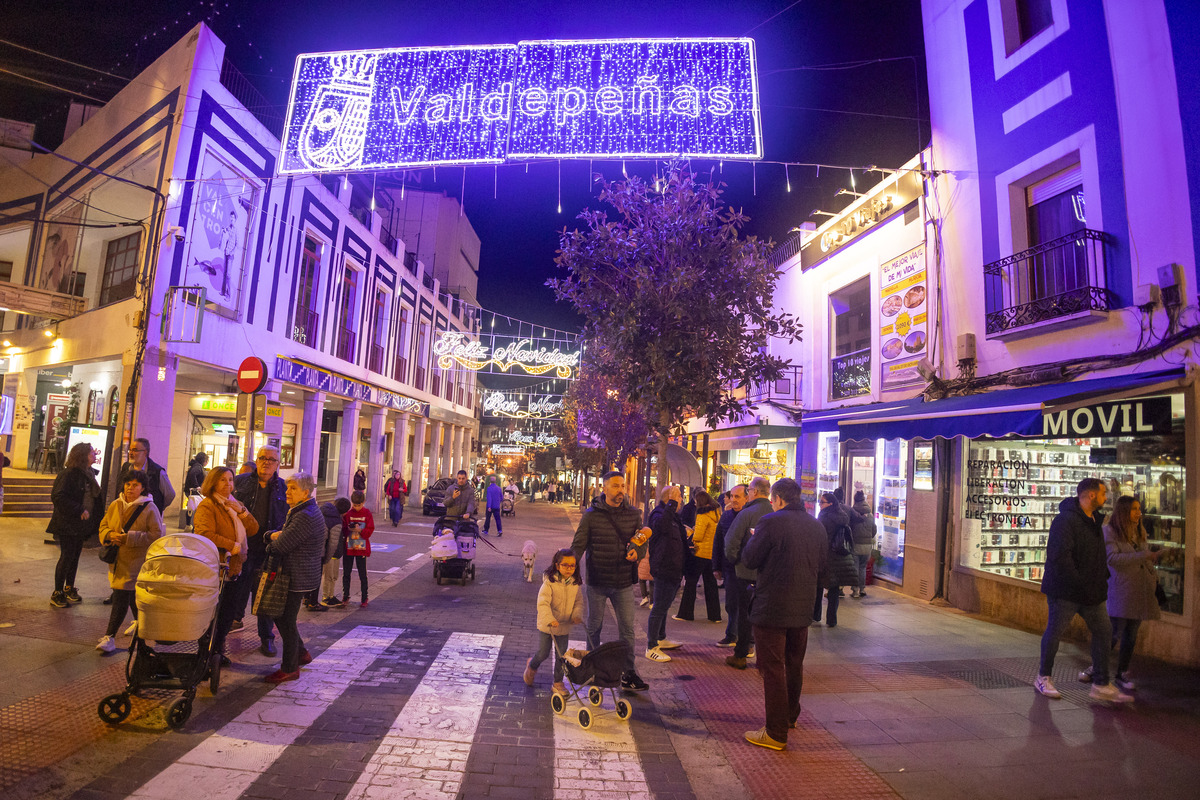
{"x": 132, "y": 544}
{"x": 699, "y": 566}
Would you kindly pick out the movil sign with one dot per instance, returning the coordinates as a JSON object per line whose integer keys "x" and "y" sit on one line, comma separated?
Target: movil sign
{"x": 1150, "y": 416}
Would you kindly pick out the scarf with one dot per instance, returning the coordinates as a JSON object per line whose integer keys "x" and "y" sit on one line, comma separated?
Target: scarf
{"x": 237, "y": 523}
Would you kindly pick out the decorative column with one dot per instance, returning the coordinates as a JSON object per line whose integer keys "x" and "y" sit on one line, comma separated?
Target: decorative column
{"x": 309, "y": 451}
{"x": 456, "y": 450}
{"x": 448, "y": 448}
{"x": 400, "y": 445}
{"x": 435, "y": 450}
{"x": 348, "y": 451}
{"x": 416, "y": 478}
{"x": 375, "y": 477}
{"x": 465, "y": 450}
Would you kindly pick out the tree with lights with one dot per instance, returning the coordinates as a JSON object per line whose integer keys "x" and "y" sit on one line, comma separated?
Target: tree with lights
{"x": 677, "y": 304}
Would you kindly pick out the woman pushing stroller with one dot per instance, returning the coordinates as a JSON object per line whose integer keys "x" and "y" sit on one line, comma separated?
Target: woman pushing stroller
{"x": 559, "y": 606}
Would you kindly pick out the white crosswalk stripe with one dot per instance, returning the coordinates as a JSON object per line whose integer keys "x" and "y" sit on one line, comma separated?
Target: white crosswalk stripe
{"x": 424, "y": 754}
{"x": 226, "y": 763}
{"x": 600, "y": 762}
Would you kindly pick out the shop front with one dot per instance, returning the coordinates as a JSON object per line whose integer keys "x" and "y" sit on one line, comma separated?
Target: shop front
{"x": 999, "y": 464}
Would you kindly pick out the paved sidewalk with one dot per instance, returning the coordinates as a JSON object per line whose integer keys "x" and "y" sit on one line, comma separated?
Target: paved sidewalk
{"x": 421, "y": 695}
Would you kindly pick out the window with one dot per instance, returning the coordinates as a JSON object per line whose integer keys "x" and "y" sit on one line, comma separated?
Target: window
{"x": 120, "y": 269}
{"x": 347, "y": 333}
{"x": 6, "y": 271}
{"x": 402, "y": 340}
{"x": 308, "y": 322}
{"x": 379, "y": 319}
{"x": 422, "y": 355}
{"x": 1033, "y": 17}
{"x": 850, "y": 367}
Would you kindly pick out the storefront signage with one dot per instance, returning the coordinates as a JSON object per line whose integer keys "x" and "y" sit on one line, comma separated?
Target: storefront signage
{"x": 221, "y": 405}
{"x": 508, "y": 450}
{"x": 504, "y": 353}
{"x": 903, "y": 318}
{"x": 405, "y": 107}
{"x": 883, "y": 203}
{"x": 522, "y": 406}
{"x": 850, "y": 375}
{"x": 1149, "y": 416}
{"x": 314, "y": 378}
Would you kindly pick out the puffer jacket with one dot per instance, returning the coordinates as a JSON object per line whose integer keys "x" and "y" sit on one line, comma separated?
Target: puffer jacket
{"x": 602, "y": 538}
{"x": 842, "y": 570}
{"x": 74, "y": 492}
{"x": 864, "y": 530}
{"x": 333, "y": 523}
{"x": 668, "y": 545}
{"x": 704, "y": 533}
{"x": 718, "y": 545}
{"x": 1131, "y": 578}
{"x": 1076, "y": 561}
{"x": 301, "y": 546}
{"x": 562, "y": 601}
{"x": 213, "y": 522}
{"x": 144, "y": 530}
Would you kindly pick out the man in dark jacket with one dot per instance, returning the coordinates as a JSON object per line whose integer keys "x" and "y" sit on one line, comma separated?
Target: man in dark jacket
{"x": 759, "y": 491}
{"x": 668, "y": 549}
{"x": 789, "y": 550}
{"x": 265, "y": 494}
{"x": 735, "y": 502}
{"x": 1076, "y": 582}
{"x": 606, "y": 536}
{"x": 160, "y": 486}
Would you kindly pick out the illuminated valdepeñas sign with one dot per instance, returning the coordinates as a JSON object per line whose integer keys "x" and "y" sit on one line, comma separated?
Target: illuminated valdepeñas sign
{"x": 384, "y": 109}
{"x": 505, "y": 353}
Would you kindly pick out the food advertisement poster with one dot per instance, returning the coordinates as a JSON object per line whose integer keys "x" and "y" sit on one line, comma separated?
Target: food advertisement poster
{"x": 903, "y": 317}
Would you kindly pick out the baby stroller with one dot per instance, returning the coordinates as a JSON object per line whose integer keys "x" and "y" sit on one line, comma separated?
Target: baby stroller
{"x": 453, "y": 550}
{"x": 508, "y": 506}
{"x": 596, "y": 671}
{"x": 177, "y": 592}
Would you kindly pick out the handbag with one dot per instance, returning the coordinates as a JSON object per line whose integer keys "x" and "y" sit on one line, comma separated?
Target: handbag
{"x": 272, "y": 593}
{"x": 108, "y": 553}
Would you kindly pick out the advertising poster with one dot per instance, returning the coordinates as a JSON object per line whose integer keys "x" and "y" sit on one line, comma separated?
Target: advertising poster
{"x": 903, "y": 317}
{"x": 97, "y": 438}
{"x": 220, "y": 230}
{"x": 58, "y": 257}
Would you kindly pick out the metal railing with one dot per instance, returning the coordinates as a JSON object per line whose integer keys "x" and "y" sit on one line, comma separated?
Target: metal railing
{"x": 400, "y": 372}
{"x": 244, "y": 92}
{"x": 1055, "y": 279}
{"x": 345, "y": 344}
{"x": 419, "y": 379}
{"x": 375, "y": 359}
{"x": 786, "y": 389}
{"x": 784, "y": 250}
{"x": 391, "y": 243}
{"x": 306, "y": 327}
{"x": 410, "y": 262}
{"x": 427, "y": 280}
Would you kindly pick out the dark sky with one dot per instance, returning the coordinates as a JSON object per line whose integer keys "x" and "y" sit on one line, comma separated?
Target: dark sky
{"x": 866, "y": 114}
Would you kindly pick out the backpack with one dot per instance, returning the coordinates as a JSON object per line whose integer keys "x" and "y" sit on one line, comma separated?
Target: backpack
{"x": 842, "y": 543}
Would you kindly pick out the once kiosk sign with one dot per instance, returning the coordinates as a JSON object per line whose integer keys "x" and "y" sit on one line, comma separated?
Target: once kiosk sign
{"x": 1150, "y": 416}
{"x": 383, "y": 109}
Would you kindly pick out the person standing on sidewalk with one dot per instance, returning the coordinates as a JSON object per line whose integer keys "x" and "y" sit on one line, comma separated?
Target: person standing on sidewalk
{"x": 4, "y": 462}
{"x": 159, "y": 486}
{"x": 1132, "y": 581}
{"x": 226, "y": 522}
{"x": 357, "y": 526}
{"x": 394, "y": 490}
{"x": 699, "y": 566}
{"x": 335, "y": 549}
{"x": 559, "y": 606}
{"x": 78, "y": 507}
{"x": 1075, "y": 581}
{"x": 843, "y": 570}
{"x": 864, "y": 540}
{"x": 789, "y": 551}
{"x": 606, "y": 537}
{"x": 265, "y": 494}
{"x": 668, "y": 548}
{"x": 494, "y": 498}
{"x": 132, "y": 530}
{"x": 744, "y": 577}
{"x": 733, "y": 504}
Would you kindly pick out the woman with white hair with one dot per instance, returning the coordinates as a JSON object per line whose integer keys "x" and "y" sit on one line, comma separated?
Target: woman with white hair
{"x": 300, "y": 547}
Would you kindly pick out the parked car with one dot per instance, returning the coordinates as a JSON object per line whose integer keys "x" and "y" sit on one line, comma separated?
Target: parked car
{"x": 435, "y": 503}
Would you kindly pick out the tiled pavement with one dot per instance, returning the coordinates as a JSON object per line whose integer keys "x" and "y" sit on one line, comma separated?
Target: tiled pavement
{"x": 901, "y": 699}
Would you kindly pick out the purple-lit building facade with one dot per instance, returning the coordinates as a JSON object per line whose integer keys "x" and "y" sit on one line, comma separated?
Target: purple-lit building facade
{"x": 175, "y": 180}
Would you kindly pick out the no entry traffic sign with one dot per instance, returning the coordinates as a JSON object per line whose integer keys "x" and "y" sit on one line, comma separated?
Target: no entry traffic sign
{"x": 252, "y": 375}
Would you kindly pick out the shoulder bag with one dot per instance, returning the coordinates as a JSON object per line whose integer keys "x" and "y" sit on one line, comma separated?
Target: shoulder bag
{"x": 272, "y": 593}
{"x": 108, "y": 553}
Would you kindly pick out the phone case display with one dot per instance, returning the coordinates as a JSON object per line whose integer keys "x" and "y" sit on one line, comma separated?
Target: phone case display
{"x": 891, "y": 467}
{"x": 1014, "y": 488}
{"x": 827, "y": 462}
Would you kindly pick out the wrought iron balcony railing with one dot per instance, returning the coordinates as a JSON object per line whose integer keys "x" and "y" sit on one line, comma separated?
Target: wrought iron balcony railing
{"x": 346, "y": 344}
{"x": 306, "y": 327}
{"x": 786, "y": 389}
{"x": 1056, "y": 279}
{"x": 375, "y": 359}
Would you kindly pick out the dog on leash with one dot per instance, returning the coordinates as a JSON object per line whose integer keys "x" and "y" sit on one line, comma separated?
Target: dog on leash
{"x": 529, "y": 555}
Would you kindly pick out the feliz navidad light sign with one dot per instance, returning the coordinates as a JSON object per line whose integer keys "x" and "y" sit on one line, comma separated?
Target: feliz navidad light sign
{"x": 406, "y": 107}
{"x": 505, "y": 354}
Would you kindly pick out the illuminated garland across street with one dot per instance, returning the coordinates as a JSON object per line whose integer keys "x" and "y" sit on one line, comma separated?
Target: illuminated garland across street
{"x": 537, "y": 406}
{"x": 411, "y": 107}
{"x": 533, "y": 356}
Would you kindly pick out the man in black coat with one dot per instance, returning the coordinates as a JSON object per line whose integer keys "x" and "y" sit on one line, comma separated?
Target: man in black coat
{"x": 733, "y": 504}
{"x": 606, "y": 536}
{"x": 789, "y": 549}
{"x": 1076, "y": 582}
{"x": 265, "y": 494}
{"x": 758, "y": 504}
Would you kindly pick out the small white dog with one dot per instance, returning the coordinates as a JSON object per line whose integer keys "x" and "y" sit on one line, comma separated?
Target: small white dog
{"x": 529, "y": 555}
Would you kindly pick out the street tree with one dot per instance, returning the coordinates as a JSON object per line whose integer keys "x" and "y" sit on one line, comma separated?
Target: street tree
{"x": 677, "y": 303}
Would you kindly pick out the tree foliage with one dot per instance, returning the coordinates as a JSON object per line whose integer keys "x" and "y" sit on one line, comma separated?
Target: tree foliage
{"x": 678, "y": 305}
{"x": 613, "y": 427}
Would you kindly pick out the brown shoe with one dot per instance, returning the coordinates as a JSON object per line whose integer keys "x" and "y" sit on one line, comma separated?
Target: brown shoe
{"x": 736, "y": 662}
{"x": 279, "y": 676}
{"x": 530, "y": 672}
{"x": 305, "y": 657}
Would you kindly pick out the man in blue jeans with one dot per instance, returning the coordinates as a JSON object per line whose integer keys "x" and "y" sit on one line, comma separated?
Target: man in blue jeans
{"x": 494, "y": 498}
{"x": 1076, "y": 582}
{"x": 606, "y": 536}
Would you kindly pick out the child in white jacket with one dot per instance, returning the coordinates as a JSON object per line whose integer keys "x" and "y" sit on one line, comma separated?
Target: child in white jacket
{"x": 559, "y": 605}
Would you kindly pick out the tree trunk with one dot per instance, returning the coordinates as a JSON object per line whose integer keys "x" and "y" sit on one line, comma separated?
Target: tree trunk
{"x": 664, "y": 422}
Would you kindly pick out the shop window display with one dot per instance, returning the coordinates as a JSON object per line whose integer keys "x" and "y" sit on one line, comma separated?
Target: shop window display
{"x": 891, "y": 507}
{"x": 1013, "y": 488}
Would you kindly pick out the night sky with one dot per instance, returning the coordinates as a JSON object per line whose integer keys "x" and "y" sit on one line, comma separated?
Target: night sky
{"x": 873, "y": 113}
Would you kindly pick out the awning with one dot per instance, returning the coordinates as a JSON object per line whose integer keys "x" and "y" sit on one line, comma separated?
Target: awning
{"x": 683, "y": 467}
{"x": 1008, "y": 412}
{"x": 827, "y": 419}
{"x": 743, "y": 437}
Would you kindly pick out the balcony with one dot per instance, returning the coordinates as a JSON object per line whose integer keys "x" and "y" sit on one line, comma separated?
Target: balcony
{"x": 410, "y": 262}
{"x": 306, "y": 326}
{"x": 401, "y": 371}
{"x": 419, "y": 379}
{"x": 375, "y": 359}
{"x": 786, "y": 389}
{"x": 345, "y": 344}
{"x": 427, "y": 280}
{"x": 1056, "y": 284}
{"x": 390, "y": 243}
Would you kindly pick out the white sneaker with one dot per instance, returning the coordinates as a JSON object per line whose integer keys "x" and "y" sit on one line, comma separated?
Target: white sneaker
{"x": 655, "y": 654}
{"x": 1045, "y": 686}
{"x": 106, "y": 645}
{"x": 645, "y": 601}
{"x": 1109, "y": 694}
{"x": 667, "y": 644}
{"x": 132, "y": 629}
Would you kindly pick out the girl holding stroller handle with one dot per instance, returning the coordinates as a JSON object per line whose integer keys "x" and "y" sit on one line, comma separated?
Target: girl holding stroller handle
{"x": 226, "y": 522}
{"x": 559, "y": 606}
{"x": 132, "y": 522}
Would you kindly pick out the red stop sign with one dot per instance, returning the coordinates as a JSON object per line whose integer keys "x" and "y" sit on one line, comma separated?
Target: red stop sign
{"x": 252, "y": 375}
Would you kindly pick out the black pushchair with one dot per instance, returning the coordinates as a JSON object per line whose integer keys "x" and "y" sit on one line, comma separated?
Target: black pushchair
{"x": 453, "y": 550}
{"x": 176, "y": 594}
{"x": 595, "y": 671}
{"x": 508, "y": 506}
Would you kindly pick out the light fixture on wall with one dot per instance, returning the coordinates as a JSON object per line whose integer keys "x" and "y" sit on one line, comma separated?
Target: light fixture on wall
{"x": 847, "y": 193}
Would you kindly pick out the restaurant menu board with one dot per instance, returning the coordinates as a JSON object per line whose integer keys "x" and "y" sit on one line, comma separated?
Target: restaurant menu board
{"x": 903, "y": 317}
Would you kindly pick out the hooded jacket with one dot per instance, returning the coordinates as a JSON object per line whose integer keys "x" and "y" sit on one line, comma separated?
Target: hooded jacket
{"x": 603, "y": 537}
{"x": 1076, "y": 562}
{"x": 668, "y": 544}
{"x": 843, "y": 570}
{"x": 864, "y": 530}
{"x": 559, "y": 600}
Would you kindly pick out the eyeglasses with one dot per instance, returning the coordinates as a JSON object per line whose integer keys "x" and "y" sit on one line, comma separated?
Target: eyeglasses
{"x": 137, "y": 449}
{"x": 267, "y": 459}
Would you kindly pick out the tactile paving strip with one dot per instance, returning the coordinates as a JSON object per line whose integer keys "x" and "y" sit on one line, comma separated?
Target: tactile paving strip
{"x": 56, "y": 624}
